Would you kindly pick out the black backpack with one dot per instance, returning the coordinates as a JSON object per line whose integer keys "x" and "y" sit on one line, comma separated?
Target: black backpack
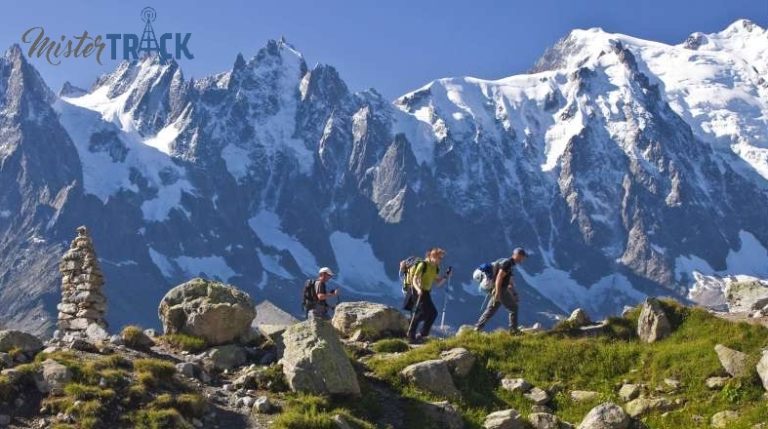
{"x": 309, "y": 295}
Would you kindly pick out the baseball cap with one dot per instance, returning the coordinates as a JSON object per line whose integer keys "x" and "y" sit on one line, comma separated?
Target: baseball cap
{"x": 326, "y": 270}
{"x": 519, "y": 251}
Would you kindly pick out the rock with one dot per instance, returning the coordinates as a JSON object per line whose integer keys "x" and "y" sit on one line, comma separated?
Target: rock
{"x": 724, "y": 418}
{"x": 516, "y": 385}
{"x": 5, "y": 360}
{"x": 275, "y": 334}
{"x": 187, "y": 369}
{"x": 579, "y": 318}
{"x": 642, "y": 406}
{"x": 341, "y": 422}
{"x": 673, "y": 383}
{"x": 535, "y": 328}
{"x": 82, "y": 345}
{"x": 605, "y": 416}
{"x": 653, "y": 324}
{"x": 459, "y": 360}
{"x": 116, "y": 340}
{"x": 442, "y": 414}
{"x": 432, "y": 376}
{"x": 226, "y": 357}
{"x": 733, "y": 361}
{"x": 263, "y": 405}
{"x": 629, "y": 392}
{"x": 583, "y": 395}
{"x": 19, "y": 340}
{"x": 372, "y": 319}
{"x": 544, "y": 421}
{"x": 762, "y": 369}
{"x": 315, "y": 361}
{"x": 54, "y": 377}
{"x": 505, "y": 419}
{"x": 541, "y": 409}
{"x": 211, "y": 310}
{"x": 464, "y": 329}
{"x": 151, "y": 333}
{"x": 5, "y": 420}
{"x": 716, "y": 383}
{"x": 537, "y": 395}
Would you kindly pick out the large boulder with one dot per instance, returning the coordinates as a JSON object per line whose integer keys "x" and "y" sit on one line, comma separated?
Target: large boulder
{"x": 605, "y": 416}
{"x": 459, "y": 360}
{"x": 653, "y": 324}
{"x": 211, "y": 310}
{"x": 373, "y": 320}
{"x": 579, "y": 317}
{"x": 642, "y": 406}
{"x": 314, "y": 360}
{"x": 432, "y": 376}
{"x": 734, "y": 362}
{"x": 54, "y": 377}
{"x": 762, "y": 369}
{"x": 27, "y": 343}
{"x": 504, "y": 419}
{"x": 544, "y": 421}
{"x": 226, "y": 357}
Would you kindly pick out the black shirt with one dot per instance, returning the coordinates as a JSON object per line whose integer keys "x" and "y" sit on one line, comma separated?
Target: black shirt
{"x": 320, "y": 288}
{"x": 507, "y": 265}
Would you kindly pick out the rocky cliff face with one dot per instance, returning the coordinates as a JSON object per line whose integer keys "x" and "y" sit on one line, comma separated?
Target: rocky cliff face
{"x": 624, "y": 164}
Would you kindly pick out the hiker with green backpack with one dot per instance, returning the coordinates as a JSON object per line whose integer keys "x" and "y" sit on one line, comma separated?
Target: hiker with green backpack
{"x": 422, "y": 276}
{"x": 496, "y": 279}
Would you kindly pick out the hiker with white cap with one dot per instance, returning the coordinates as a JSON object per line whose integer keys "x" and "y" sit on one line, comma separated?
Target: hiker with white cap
{"x": 316, "y": 294}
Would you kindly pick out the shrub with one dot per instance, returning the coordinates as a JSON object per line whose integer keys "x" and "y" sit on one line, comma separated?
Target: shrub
{"x": 184, "y": 342}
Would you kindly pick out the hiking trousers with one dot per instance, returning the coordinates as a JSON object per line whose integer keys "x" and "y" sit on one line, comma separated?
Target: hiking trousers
{"x": 320, "y": 311}
{"x": 426, "y": 313}
{"x": 508, "y": 299}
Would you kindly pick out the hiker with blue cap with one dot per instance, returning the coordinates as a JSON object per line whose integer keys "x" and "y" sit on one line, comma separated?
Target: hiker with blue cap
{"x": 497, "y": 279}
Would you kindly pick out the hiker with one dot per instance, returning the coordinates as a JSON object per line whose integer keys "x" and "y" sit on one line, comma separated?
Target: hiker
{"x": 424, "y": 276}
{"x": 316, "y": 298}
{"x": 501, "y": 288}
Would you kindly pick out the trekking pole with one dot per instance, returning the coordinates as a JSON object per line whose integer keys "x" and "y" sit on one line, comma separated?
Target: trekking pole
{"x": 445, "y": 299}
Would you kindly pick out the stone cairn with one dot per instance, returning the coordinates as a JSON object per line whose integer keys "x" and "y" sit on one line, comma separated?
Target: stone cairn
{"x": 82, "y": 302}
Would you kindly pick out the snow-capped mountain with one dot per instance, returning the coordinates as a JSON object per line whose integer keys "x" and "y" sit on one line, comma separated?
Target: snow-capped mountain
{"x": 625, "y": 165}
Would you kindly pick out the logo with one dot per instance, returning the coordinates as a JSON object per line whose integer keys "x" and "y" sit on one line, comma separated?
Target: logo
{"x": 126, "y": 46}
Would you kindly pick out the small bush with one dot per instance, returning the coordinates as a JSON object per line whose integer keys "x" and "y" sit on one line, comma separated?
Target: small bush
{"x": 191, "y": 405}
{"x": 158, "y": 419}
{"x": 185, "y": 342}
{"x": 85, "y": 393}
{"x": 391, "y": 345}
{"x": 6, "y": 388}
{"x": 160, "y": 369}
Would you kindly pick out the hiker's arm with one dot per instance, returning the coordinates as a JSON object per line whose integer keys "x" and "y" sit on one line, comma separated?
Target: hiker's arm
{"x": 417, "y": 283}
{"x": 323, "y": 296}
{"x": 499, "y": 282}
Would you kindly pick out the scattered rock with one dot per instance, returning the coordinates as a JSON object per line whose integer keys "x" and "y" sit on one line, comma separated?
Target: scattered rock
{"x": 716, "y": 383}
{"x": 544, "y": 421}
{"x": 95, "y": 332}
{"x": 629, "y": 392}
{"x": 226, "y": 357}
{"x": 432, "y": 376}
{"x": 341, "y": 422}
{"x": 373, "y": 320}
{"x": 459, "y": 360}
{"x": 672, "y": 383}
{"x": 5, "y": 360}
{"x": 605, "y": 416}
{"x": 583, "y": 395}
{"x": 653, "y": 324}
{"x": 211, "y": 310}
{"x": 579, "y": 318}
{"x": 505, "y": 419}
{"x": 314, "y": 360}
{"x": 19, "y": 340}
{"x": 734, "y": 362}
{"x": 263, "y": 405}
{"x": 54, "y": 377}
{"x": 443, "y": 414}
{"x": 762, "y": 369}
{"x": 82, "y": 345}
{"x": 642, "y": 406}
{"x": 138, "y": 340}
{"x": 724, "y": 418}
{"x": 541, "y": 409}
{"x": 516, "y": 385}
{"x": 537, "y": 395}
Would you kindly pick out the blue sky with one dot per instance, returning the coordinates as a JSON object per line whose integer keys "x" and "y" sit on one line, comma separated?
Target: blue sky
{"x": 394, "y": 46}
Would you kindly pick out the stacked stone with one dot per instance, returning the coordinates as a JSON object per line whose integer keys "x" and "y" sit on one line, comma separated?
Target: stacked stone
{"x": 82, "y": 302}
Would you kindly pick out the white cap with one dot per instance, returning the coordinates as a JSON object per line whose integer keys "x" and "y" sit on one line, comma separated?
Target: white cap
{"x": 326, "y": 270}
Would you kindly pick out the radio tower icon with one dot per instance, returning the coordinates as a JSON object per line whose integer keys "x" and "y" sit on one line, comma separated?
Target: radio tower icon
{"x": 148, "y": 43}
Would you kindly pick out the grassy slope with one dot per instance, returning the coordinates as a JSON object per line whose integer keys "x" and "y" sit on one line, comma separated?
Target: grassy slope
{"x": 602, "y": 365}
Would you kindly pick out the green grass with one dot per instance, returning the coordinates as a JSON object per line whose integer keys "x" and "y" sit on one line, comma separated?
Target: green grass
{"x": 601, "y": 364}
{"x": 303, "y": 411}
{"x": 184, "y": 342}
{"x": 390, "y": 345}
{"x": 132, "y": 336}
